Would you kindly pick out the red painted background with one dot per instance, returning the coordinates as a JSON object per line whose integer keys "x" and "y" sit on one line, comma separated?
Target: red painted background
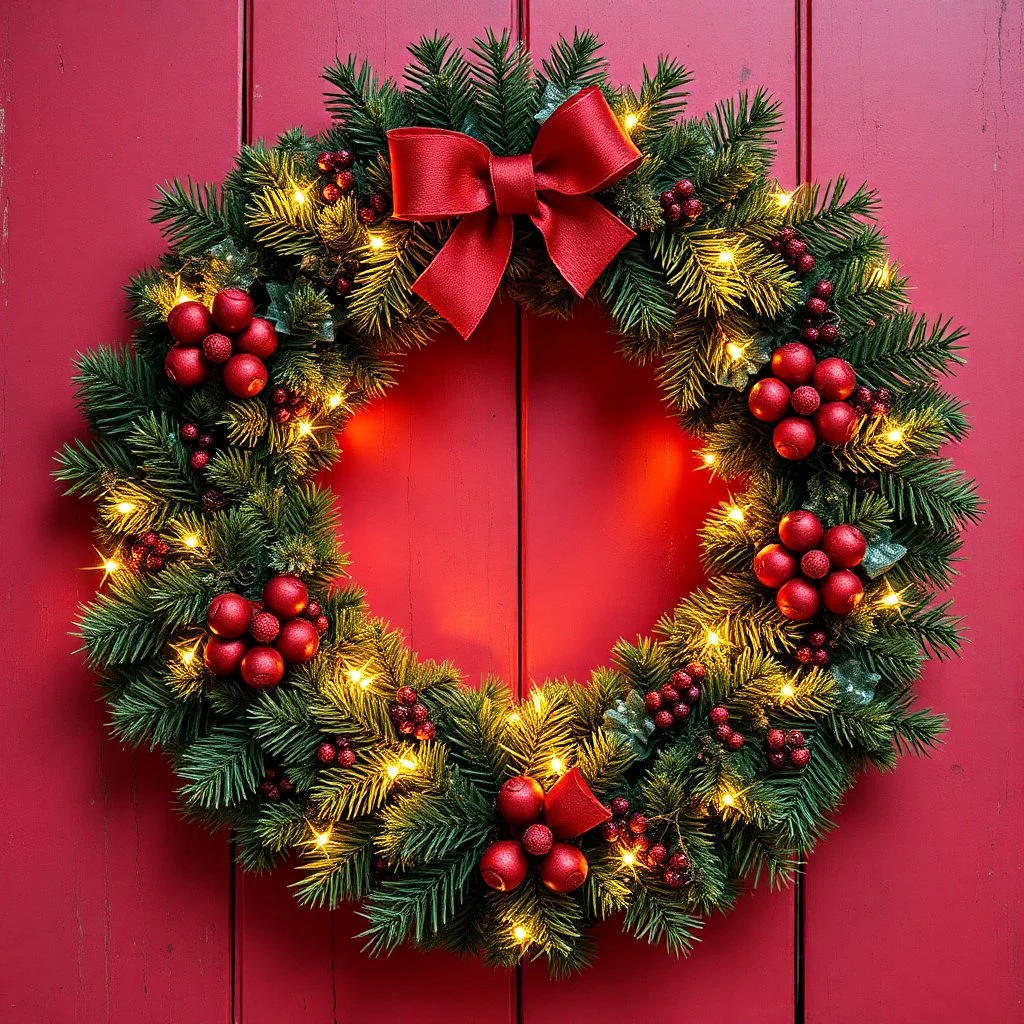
{"x": 117, "y": 911}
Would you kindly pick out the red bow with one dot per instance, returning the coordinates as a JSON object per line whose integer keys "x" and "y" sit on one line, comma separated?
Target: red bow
{"x": 438, "y": 174}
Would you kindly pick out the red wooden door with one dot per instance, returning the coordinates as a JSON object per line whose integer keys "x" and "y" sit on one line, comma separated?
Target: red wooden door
{"x": 459, "y": 498}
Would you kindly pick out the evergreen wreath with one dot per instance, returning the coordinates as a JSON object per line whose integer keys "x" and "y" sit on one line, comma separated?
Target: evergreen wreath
{"x": 708, "y": 755}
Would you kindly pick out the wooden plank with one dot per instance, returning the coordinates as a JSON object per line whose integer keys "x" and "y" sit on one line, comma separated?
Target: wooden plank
{"x": 427, "y": 489}
{"x": 613, "y": 502}
{"x": 923, "y": 100}
{"x": 116, "y": 910}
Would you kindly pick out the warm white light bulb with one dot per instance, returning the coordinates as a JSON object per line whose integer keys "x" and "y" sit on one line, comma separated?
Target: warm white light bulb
{"x": 334, "y": 401}
{"x": 629, "y": 858}
{"x": 407, "y": 763}
{"x": 392, "y": 770}
{"x": 895, "y": 435}
{"x": 519, "y": 932}
{"x": 556, "y": 765}
{"x": 783, "y": 198}
{"x": 735, "y": 351}
{"x": 109, "y": 566}
{"x": 736, "y": 514}
{"x": 713, "y": 638}
{"x": 125, "y": 507}
{"x": 305, "y": 428}
{"x": 323, "y": 838}
{"x": 376, "y": 242}
{"x": 725, "y": 256}
{"x": 192, "y": 541}
{"x": 299, "y": 197}
{"x": 709, "y": 459}
{"x": 786, "y": 691}
{"x": 631, "y": 121}
{"x": 728, "y": 800}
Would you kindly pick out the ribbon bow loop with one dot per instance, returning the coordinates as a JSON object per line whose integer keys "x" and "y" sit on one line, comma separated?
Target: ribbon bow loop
{"x": 438, "y": 174}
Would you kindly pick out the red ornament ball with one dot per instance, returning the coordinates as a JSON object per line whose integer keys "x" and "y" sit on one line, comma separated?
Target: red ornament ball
{"x": 186, "y": 367}
{"x": 538, "y": 839}
{"x": 794, "y": 438}
{"x": 773, "y": 565}
{"x": 232, "y": 310}
{"x": 564, "y": 869}
{"x": 286, "y": 596}
{"x": 815, "y": 564}
{"x": 223, "y": 657}
{"x": 775, "y": 739}
{"x": 189, "y": 322}
{"x": 298, "y": 641}
{"x": 326, "y": 753}
{"x": 845, "y": 546}
{"x": 805, "y": 400}
{"x": 797, "y": 600}
{"x": 229, "y": 615}
{"x": 799, "y": 758}
{"x": 768, "y": 400}
{"x": 199, "y": 460}
{"x": 664, "y": 718}
{"x": 245, "y": 375}
{"x": 258, "y": 339}
{"x": 835, "y": 422}
{"x": 217, "y": 348}
{"x": 835, "y": 379}
{"x": 262, "y": 667}
{"x": 793, "y": 363}
{"x": 264, "y": 627}
{"x": 719, "y": 715}
{"x": 503, "y": 865}
{"x": 521, "y": 800}
{"x": 800, "y": 530}
{"x": 841, "y": 592}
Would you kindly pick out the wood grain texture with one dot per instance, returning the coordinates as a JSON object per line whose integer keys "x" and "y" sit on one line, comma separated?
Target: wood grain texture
{"x": 921, "y": 889}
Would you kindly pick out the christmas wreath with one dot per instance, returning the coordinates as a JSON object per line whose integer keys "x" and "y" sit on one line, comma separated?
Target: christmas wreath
{"x": 708, "y": 755}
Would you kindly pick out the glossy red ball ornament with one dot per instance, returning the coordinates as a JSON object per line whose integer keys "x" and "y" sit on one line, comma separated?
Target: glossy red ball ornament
{"x": 189, "y": 322}
{"x": 286, "y": 595}
{"x": 841, "y": 592}
{"x": 800, "y": 530}
{"x": 186, "y": 367}
{"x": 845, "y": 546}
{"x": 298, "y": 641}
{"x": 835, "y": 379}
{"x": 564, "y": 869}
{"x": 258, "y": 339}
{"x": 793, "y": 363}
{"x": 794, "y": 438}
{"x": 773, "y": 565}
{"x": 232, "y": 310}
{"x": 229, "y": 615}
{"x": 537, "y": 839}
{"x": 521, "y": 800}
{"x": 223, "y": 657}
{"x": 262, "y": 667}
{"x": 797, "y": 600}
{"x": 245, "y": 375}
{"x": 503, "y": 865}
{"x": 835, "y": 422}
{"x": 768, "y": 400}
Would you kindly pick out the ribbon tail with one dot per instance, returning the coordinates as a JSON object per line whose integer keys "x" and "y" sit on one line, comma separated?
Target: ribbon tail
{"x": 463, "y": 277}
{"x": 581, "y": 235}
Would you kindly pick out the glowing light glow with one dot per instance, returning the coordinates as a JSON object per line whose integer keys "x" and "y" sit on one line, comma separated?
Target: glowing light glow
{"x": 786, "y": 691}
{"x": 519, "y": 932}
{"x": 192, "y": 541}
{"x": 393, "y": 771}
{"x": 125, "y": 507}
{"x": 538, "y": 700}
{"x": 514, "y": 717}
{"x": 726, "y": 256}
{"x": 709, "y": 459}
{"x": 359, "y": 677}
{"x": 890, "y": 600}
{"x": 334, "y": 401}
{"x": 631, "y": 121}
{"x": 110, "y": 566}
{"x": 895, "y": 435}
{"x": 783, "y": 199}
{"x": 407, "y": 763}
{"x": 322, "y": 839}
{"x": 299, "y": 197}
{"x": 736, "y": 514}
{"x": 183, "y": 297}
{"x": 628, "y": 859}
{"x": 556, "y": 765}
{"x": 376, "y": 242}
{"x": 305, "y": 428}
{"x": 713, "y": 638}
{"x": 728, "y": 800}
{"x": 188, "y": 654}
{"x": 735, "y": 351}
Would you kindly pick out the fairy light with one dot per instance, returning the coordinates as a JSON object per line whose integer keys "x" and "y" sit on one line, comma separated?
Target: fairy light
{"x": 628, "y": 859}
{"x": 323, "y": 838}
{"x": 709, "y": 459}
{"x": 407, "y": 763}
{"x": 182, "y": 297}
{"x": 359, "y": 678}
{"x": 109, "y": 567}
{"x": 125, "y": 507}
{"x": 519, "y": 932}
{"x": 538, "y": 700}
{"x": 192, "y": 541}
{"x": 726, "y": 256}
{"x": 882, "y": 275}
{"x": 890, "y": 599}
{"x": 299, "y": 197}
{"x": 783, "y": 199}
{"x": 786, "y": 691}
{"x": 393, "y": 771}
{"x": 631, "y": 121}
{"x": 736, "y": 514}
{"x": 735, "y": 351}
{"x": 556, "y": 765}
{"x": 186, "y": 655}
{"x": 728, "y": 799}
{"x": 376, "y": 242}
{"x": 305, "y": 428}
{"x": 714, "y": 639}
{"x": 334, "y": 401}
{"x": 895, "y": 435}
{"x": 514, "y": 717}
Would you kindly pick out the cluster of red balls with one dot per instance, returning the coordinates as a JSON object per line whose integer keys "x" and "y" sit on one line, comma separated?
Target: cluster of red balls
{"x": 226, "y": 336}
{"x": 813, "y": 652}
{"x": 678, "y": 205}
{"x": 722, "y": 730}
{"x": 675, "y": 700}
{"x": 793, "y": 249}
{"x": 201, "y": 442}
{"x": 820, "y": 322}
{"x": 628, "y": 830}
{"x": 148, "y": 552}
{"x": 337, "y": 166}
{"x": 243, "y": 632}
{"x": 411, "y": 716}
{"x": 285, "y": 404}
{"x": 346, "y": 278}
{"x": 276, "y": 784}
{"x": 812, "y": 566}
{"x": 787, "y": 749}
{"x": 801, "y": 388}
{"x": 339, "y": 751}
{"x": 871, "y": 401}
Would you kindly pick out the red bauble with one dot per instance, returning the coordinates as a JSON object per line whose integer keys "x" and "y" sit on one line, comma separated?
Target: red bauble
{"x": 229, "y": 615}
{"x": 663, "y": 719}
{"x": 186, "y": 367}
{"x": 258, "y": 339}
{"x": 287, "y": 596}
{"x": 223, "y": 657}
{"x": 845, "y": 546}
{"x": 835, "y": 379}
{"x": 570, "y": 807}
{"x": 793, "y": 363}
{"x": 537, "y": 839}
{"x": 199, "y": 460}
{"x": 805, "y": 400}
{"x": 841, "y": 592}
{"x": 217, "y": 348}
{"x": 262, "y": 667}
{"x": 245, "y": 375}
{"x": 835, "y": 422}
{"x": 298, "y": 641}
{"x": 326, "y": 753}
{"x": 768, "y": 400}
{"x": 814, "y": 564}
{"x": 799, "y": 758}
{"x": 189, "y": 323}
{"x": 264, "y": 627}
{"x": 773, "y": 565}
{"x": 719, "y": 715}
{"x": 503, "y": 865}
{"x": 232, "y": 310}
{"x": 797, "y": 600}
{"x": 564, "y": 868}
{"x": 800, "y": 530}
{"x": 775, "y": 739}
{"x": 794, "y": 438}
{"x": 521, "y": 800}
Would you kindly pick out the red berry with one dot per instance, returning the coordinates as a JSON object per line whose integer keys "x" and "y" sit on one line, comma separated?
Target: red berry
{"x": 346, "y": 757}
{"x": 279, "y": 414}
{"x": 367, "y": 215}
{"x": 406, "y": 695}
{"x": 663, "y": 719}
{"x": 879, "y": 409}
{"x": 822, "y": 658}
{"x": 692, "y": 209}
{"x": 722, "y": 732}
{"x": 637, "y": 824}
{"x": 217, "y": 348}
{"x": 796, "y": 247}
{"x": 805, "y": 400}
{"x": 199, "y": 460}
{"x": 326, "y": 753}
{"x": 786, "y": 233}
{"x": 672, "y": 213}
{"x": 330, "y": 192}
{"x": 620, "y": 806}
{"x": 538, "y": 839}
{"x": 816, "y": 306}
{"x": 667, "y": 198}
{"x": 407, "y": 728}
{"x": 419, "y": 712}
{"x": 775, "y": 739}
{"x": 734, "y": 742}
{"x": 325, "y": 162}
{"x": 610, "y": 832}
{"x": 678, "y": 861}
{"x": 400, "y": 713}
{"x": 652, "y": 700}
{"x": 777, "y": 759}
{"x": 264, "y": 627}
{"x": 425, "y": 731}
{"x": 805, "y": 264}
{"x": 206, "y": 441}
{"x": 675, "y": 879}
{"x": 188, "y": 431}
{"x": 719, "y": 715}
{"x": 153, "y": 562}
{"x": 270, "y": 791}
{"x": 657, "y": 855}
{"x": 823, "y": 289}
{"x": 817, "y": 638}
{"x": 684, "y": 188}
{"x": 343, "y": 158}
{"x": 680, "y": 679}
{"x": 812, "y": 335}
{"x": 680, "y": 711}
{"x": 321, "y": 623}
{"x": 279, "y": 396}
{"x": 692, "y": 693}
{"x": 805, "y": 655}
{"x": 799, "y": 758}
{"x": 814, "y": 564}
{"x": 795, "y": 738}
{"x": 342, "y": 742}
{"x": 345, "y": 181}
{"x": 696, "y": 670}
{"x": 669, "y": 694}
{"x": 828, "y": 333}
{"x": 378, "y": 203}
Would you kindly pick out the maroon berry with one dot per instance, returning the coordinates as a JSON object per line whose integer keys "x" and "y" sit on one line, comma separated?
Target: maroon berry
{"x": 657, "y": 855}
{"x": 663, "y": 719}
{"x": 321, "y": 623}
{"x": 795, "y": 738}
{"x": 684, "y": 188}
{"x": 696, "y": 670}
{"x": 822, "y": 658}
{"x": 805, "y": 400}
{"x": 692, "y": 209}
{"x": 640, "y": 845}
{"x": 692, "y": 693}
{"x": 264, "y": 627}
{"x": 419, "y": 712}
{"x": 378, "y": 202}
{"x": 811, "y": 335}
{"x": 828, "y": 333}
{"x": 346, "y": 757}
{"x": 652, "y": 700}
{"x": 667, "y": 198}
{"x": 149, "y": 538}
{"x": 206, "y": 441}
{"x": 879, "y": 409}
{"x": 153, "y": 562}
{"x": 330, "y": 192}
{"x": 680, "y": 680}
{"x": 798, "y": 758}
{"x": 199, "y": 460}
{"x": 719, "y": 715}
{"x": 675, "y": 879}
{"x": 805, "y": 655}
{"x": 722, "y": 732}
{"x": 786, "y": 234}
{"x": 407, "y": 728}
{"x": 367, "y": 215}
{"x": 342, "y": 742}
{"x": 270, "y": 791}
{"x": 816, "y": 307}
{"x": 345, "y": 181}
{"x": 312, "y": 610}
{"x": 279, "y": 414}
{"x": 343, "y": 158}
{"x": 796, "y": 247}
{"x": 823, "y": 289}
{"x": 680, "y": 711}
{"x": 325, "y": 162}
{"x": 817, "y": 638}
{"x": 400, "y": 713}
{"x": 669, "y": 694}
{"x": 734, "y": 742}
{"x": 815, "y": 564}
{"x": 538, "y": 840}
{"x": 775, "y": 739}
{"x": 610, "y": 832}
{"x": 637, "y": 824}
{"x": 620, "y": 806}
{"x": 777, "y": 758}
{"x": 406, "y": 695}
{"x": 286, "y": 785}
{"x": 425, "y": 731}
{"x": 279, "y": 396}
{"x": 805, "y": 264}
{"x": 672, "y": 213}
{"x": 326, "y": 753}
{"x": 217, "y": 348}
{"x": 678, "y": 861}
{"x": 188, "y": 431}
{"x": 883, "y": 395}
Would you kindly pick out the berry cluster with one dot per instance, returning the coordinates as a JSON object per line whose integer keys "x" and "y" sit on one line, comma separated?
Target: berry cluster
{"x": 276, "y": 784}
{"x": 812, "y": 566}
{"x": 411, "y": 716}
{"x": 629, "y": 830}
{"x": 213, "y": 500}
{"x": 674, "y": 701}
{"x": 813, "y": 652}
{"x": 346, "y": 278}
{"x": 787, "y": 749}
{"x": 820, "y": 323}
{"x": 337, "y": 167}
{"x": 226, "y": 336}
{"x": 793, "y": 249}
{"x": 285, "y": 405}
{"x": 722, "y": 730}
{"x": 148, "y": 552}
{"x": 679, "y": 207}
{"x": 258, "y": 638}
{"x": 800, "y": 388}
{"x": 871, "y": 401}
{"x": 339, "y": 751}
{"x": 202, "y": 444}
